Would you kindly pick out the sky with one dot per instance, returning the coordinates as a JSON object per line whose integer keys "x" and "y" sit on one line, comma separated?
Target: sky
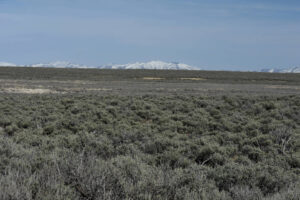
{"x": 211, "y": 34}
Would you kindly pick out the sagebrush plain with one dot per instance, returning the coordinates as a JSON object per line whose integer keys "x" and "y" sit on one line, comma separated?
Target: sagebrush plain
{"x": 148, "y": 134}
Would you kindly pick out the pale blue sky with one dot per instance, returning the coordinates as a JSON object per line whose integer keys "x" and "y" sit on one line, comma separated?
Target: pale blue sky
{"x": 214, "y": 34}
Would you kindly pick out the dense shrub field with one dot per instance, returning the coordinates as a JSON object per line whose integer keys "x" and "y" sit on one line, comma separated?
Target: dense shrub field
{"x": 149, "y": 147}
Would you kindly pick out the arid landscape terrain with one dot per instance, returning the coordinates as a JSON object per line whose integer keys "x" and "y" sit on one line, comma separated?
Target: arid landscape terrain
{"x": 148, "y": 134}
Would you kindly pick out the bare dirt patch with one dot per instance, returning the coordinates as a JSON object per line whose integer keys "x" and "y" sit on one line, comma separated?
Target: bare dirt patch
{"x": 99, "y": 89}
{"x": 283, "y": 87}
{"x": 86, "y": 89}
{"x": 28, "y": 91}
{"x": 193, "y": 79}
{"x": 153, "y": 78}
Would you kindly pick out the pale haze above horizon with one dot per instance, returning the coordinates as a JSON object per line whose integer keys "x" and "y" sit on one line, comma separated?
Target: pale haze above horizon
{"x": 210, "y": 34}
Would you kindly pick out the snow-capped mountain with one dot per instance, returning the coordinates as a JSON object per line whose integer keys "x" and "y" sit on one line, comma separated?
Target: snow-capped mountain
{"x": 287, "y": 70}
{"x": 152, "y": 65}
{"x": 159, "y": 65}
{"x": 291, "y": 70}
{"x": 138, "y": 65}
{"x": 60, "y": 64}
{"x": 7, "y": 64}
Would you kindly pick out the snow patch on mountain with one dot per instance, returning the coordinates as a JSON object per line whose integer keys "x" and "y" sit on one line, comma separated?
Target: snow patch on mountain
{"x": 152, "y": 65}
{"x": 60, "y": 64}
{"x": 287, "y": 70}
{"x": 7, "y": 64}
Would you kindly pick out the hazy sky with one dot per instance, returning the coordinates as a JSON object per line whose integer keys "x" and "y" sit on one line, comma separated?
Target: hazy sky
{"x": 216, "y": 34}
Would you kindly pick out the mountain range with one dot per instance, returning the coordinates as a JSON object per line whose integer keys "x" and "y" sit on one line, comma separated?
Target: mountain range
{"x": 159, "y": 65}
{"x": 138, "y": 65}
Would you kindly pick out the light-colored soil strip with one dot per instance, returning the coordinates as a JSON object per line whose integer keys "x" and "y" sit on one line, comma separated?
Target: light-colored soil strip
{"x": 86, "y": 89}
{"x": 193, "y": 79}
{"x": 99, "y": 89}
{"x": 28, "y": 91}
{"x": 283, "y": 87}
{"x": 153, "y": 78}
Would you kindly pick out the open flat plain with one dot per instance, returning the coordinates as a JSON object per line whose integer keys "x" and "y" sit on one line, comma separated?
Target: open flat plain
{"x": 89, "y": 134}
{"x": 140, "y": 82}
